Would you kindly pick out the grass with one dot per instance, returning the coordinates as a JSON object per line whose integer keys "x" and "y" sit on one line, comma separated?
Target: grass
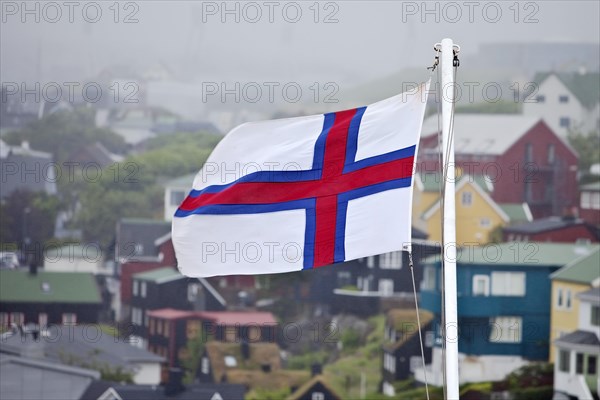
{"x": 344, "y": 375}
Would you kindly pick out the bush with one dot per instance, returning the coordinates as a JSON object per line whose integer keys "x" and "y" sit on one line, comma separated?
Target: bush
{"x": 533, "y": 393}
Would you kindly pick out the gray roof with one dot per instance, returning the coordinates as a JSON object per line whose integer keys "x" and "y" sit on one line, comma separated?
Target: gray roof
{"x": 543, "y": 225}
{"x": 203, "y": 391}
{"x": 491, "y": 134}
{"x": 84, "y": 346}
{"x": 580, "y": 337}
{"x": 591, "y": 296}
{"x": 136, "y": 237}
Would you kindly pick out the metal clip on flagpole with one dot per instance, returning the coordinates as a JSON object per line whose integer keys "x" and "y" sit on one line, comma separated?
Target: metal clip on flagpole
{"x": 450, "y": 330}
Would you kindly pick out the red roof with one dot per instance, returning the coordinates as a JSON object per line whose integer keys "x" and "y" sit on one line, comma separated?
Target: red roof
{"x": 217, "y": 317}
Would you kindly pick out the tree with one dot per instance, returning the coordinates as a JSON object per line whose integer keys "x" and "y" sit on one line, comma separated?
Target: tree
{"x": 588, "y": 148}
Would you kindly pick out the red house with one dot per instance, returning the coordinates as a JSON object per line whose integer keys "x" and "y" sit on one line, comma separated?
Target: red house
{"x": 552, "y": 229}
{"x": 589, "y": 206}
{"x": 523, "y": 158}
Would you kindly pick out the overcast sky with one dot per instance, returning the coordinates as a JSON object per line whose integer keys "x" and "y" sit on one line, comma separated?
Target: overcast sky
{"x": 370, "y": 38}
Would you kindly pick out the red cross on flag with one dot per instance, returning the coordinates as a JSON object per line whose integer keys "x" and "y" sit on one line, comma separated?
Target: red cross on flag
{"x": 300, "y": 193}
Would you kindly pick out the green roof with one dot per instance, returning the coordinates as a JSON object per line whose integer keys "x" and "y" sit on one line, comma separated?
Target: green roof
{"x": 19, "y": 286}
{"x": 432, "y": 181}
{"x": 527, "y": 254}
{"x": 586, "y": 87}
{"x": 583, "y": 270}
{"x": 594, "y": 186}
{"x": 517, "y": 212}
{"x": 158, "y": 275}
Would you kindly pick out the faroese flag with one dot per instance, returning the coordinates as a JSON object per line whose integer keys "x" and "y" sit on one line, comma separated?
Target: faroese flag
{"x": 301, "y": 193}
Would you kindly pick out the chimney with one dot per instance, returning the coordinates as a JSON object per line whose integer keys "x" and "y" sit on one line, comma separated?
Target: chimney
{"x": 174, "y": 385}
{"x": 245, "y": 348}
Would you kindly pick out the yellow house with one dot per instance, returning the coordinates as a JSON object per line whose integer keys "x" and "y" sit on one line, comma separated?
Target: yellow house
{"x": 576, "y": 277}
{"x": 477, "y": 214}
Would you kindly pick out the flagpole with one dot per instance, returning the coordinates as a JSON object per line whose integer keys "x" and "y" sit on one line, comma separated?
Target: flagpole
{"x": 450, "y": 330}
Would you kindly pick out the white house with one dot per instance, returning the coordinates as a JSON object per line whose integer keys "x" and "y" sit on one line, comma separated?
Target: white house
{"x": 76, "y": 257}
{"x": 175, "y": 192}
{"x": 567, "y": 102}
{"x": 576, "y": 368}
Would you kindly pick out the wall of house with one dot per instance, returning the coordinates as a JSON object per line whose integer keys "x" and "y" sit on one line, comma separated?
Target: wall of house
{"x": 469, "y": 218}
{"x": 563, "y": 320}
{"x": 147, "y": 374}
{"x": 86, "y": 313}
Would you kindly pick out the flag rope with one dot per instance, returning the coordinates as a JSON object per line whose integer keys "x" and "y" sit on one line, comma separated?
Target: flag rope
{"x": 412, "y": 273}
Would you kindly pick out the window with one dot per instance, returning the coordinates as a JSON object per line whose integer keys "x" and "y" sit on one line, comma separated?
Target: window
{"x": 42, "y": 320}
{"x": 595, "y": 318}
{"x": 551, "y": 154}
{"x": 590, "y": 200}
{"x": 540, "y": 98}
{"x": 429, "y": 338}
{"x": 3, "y": 320}
{"x": 565, "y": 122}
{"x": 371, "y": 262}
{"x": 389, "y": 362}
{"x": 317, "y": 396}
{"x": 136, "y": 286}
{"x": 485, "y": 222}
{"x": 177, "y": 197}
{"x": 386, "y": 287}
{"x": 563, "y": 99}
{"x": 467, "y": 199}
{"x": 564, "y": 361}
{"x": 579, "y": 363}
{"x": 69, "y": 318}
{"x": 192, "y": 292}
{"x": 204, "y": 365}
{"x": 508, "y": 284}
{"x": 143, "y": 289}
{"x": 391, "y": 260}
{"x": 506, "y": 330}
{"x": 17, "y": 318}
{"x": 559, "y": 298}
{"x": 481, "y": 285}
{"x": 429, "y": 278}
{"x": 592, "y": 365}
{"x": 528, "y": 152}
{"x": 568, "y": 299}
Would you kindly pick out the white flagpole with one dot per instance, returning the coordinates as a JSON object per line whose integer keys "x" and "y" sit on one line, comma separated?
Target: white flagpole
{"x": 449, "y": 223}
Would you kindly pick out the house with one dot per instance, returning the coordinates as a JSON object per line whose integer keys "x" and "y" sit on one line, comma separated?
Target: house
{"x": 166, "y": 287}
{"x": 26, "y": 169}
{"x": 576, "y": 277}
{"x": 25, "y": 378}
{"x": 315, "y": 389}
{"x": 47, "y": 298}
{"x": 141, "y": 245}
{"x": 86, "y": 346}
{"x": 551, "y": 229}
{"x": 589, "y": 205}
{"x": 172, "y": 390}
{"x": 568, "y": 102}
{"x": 249, "y": 364}
{"x": 365, "y": 284}
{"x": 503, "y": 306}
{"x": 170, "y": 330}
{"x": 576, "y": 368}
{"x": 526, "y": 161}
{"x": 76, "y": 257}
{"x": 477, "y": 214}
{"x": 93, "y": 154}
{"x": 176, "y": 191}
{"x": 401, "y": 347}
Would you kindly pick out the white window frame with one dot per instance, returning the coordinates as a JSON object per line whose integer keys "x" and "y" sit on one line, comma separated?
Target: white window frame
{"x": 384, "y": 286}
{"x": 43, "y": 320}
{"x": 69, "y": 318}
{"x": 559, "y": 298}
{"x": 136, "y": 287}
{"x": 17, "y": 318}
{"x": 503, "y": 283}
{"x": 466, "y": 199}
{"x": 317, "y": 396}
{"x": 486, "y": 280}
{"x": 506, "y": 329}
{"x": 392, "y": 260}
{"x": 429, "y": 278}
{"x": 371, "y": 262}
{"x": 205, "y": 366}
{"x": 143, "y": 289}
